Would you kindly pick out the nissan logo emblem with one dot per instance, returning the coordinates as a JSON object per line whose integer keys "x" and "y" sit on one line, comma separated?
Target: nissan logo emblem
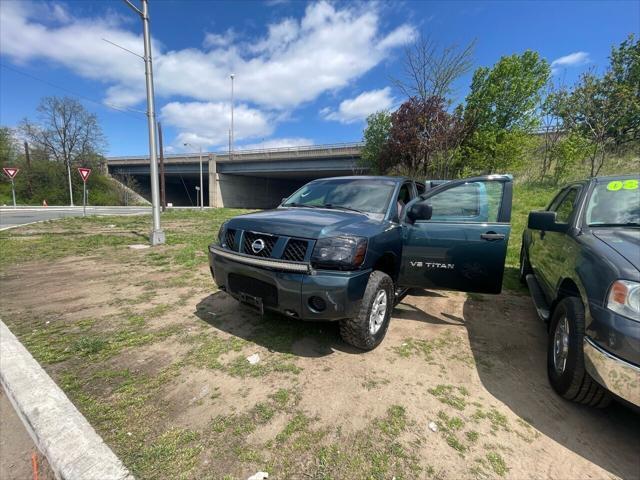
{"x": 257, "y": 246}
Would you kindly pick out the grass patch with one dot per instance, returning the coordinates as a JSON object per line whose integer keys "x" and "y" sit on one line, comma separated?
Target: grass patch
{"x": 446, "y": 343}
{"x": 173, "y": 455}
{"x": 497, "y": 463}
{"x": 450, "y": 395}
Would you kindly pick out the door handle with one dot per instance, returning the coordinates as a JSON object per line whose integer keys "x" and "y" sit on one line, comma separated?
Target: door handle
{"x": 491, "y": 236}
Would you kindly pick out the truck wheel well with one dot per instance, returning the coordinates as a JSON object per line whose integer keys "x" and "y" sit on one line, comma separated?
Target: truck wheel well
{"x": 567, "y": 288}
{"x": 387, "y": 263}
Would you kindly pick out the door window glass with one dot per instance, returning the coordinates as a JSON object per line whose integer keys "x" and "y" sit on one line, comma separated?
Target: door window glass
{"x": 468, "y": 202}
{"x": 565, "y": 208}
{"x": 404, "y": 197}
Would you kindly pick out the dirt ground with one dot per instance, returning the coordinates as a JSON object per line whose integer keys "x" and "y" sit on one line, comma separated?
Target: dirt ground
{"x": 156, "y": 359}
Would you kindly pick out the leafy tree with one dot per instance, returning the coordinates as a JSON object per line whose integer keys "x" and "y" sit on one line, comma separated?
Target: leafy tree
{"x": 376, "y": 135}
{"x": 424, "y": 138}
{"x": 624, "y": 74}
{"x": 501, "y": 110}
{"x": 67, "y": 132}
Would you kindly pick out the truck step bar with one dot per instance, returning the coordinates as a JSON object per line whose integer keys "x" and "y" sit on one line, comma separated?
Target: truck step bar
{"x": 542, "y": 307}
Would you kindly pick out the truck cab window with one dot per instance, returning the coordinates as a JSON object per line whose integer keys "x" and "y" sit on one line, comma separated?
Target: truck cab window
{"x": 565, "y": 208}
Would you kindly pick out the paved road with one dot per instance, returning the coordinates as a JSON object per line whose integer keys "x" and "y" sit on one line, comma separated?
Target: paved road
{"x": 10, "y": 217}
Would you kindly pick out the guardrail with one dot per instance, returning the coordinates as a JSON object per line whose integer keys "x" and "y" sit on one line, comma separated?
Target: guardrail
{"x": 303, "y": 150}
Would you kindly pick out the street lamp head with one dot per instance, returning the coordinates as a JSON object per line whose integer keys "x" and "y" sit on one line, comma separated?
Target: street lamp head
{"x": 232, "y": 76}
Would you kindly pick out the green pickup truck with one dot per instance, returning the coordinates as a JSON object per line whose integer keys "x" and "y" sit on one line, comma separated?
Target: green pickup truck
{"x": 347, "y": 249}
{"x": 581, "y": 260}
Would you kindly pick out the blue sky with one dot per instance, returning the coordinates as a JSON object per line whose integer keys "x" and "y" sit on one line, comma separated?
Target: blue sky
{"x": 306, "y": 73}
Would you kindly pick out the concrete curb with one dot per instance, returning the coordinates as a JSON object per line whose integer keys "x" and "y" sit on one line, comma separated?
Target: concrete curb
{"x": 72, "y": 447}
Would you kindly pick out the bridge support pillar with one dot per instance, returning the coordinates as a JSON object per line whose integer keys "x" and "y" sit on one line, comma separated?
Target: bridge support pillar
{"x": 215, "y": 199}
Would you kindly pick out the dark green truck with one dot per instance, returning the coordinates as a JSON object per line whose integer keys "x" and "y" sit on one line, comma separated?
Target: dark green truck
{"x": 581, "y": 260}
{"x": 347, "y": 249}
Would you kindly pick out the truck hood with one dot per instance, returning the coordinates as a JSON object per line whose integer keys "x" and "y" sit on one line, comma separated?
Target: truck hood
{"x": 625, "y": 241}
{"x": 305, "y": 222}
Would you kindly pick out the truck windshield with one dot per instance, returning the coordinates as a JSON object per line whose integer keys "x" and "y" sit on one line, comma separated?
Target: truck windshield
{"x": 369, "y": 196}
{"x": 615, "y": 203}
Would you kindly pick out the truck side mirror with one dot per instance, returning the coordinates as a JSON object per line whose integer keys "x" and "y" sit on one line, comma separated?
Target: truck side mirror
{"x": 546, "y": 221}
{"x": 284, "y": 199}
{"x": 419, "y": 211}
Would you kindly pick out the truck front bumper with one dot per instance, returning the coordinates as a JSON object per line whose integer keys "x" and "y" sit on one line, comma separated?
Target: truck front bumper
{"x": 613, "y": 373}
{"x": 291, "y": 288}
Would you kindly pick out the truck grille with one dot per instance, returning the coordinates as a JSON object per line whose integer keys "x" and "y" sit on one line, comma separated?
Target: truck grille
{"x": 250, "y": 237}
{"x": 230, "y": 239}
{"x": 254, "y": 287}
{"x": 295, "y": 250}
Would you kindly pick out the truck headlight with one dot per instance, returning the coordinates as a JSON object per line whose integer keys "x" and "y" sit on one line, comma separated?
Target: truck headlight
{"x": 624, "y": 298}
{"x": 342, "y": 253}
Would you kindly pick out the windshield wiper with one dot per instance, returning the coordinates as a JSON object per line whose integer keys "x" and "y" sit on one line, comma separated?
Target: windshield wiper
{"x": 340, "y": 207}
{"x": 626, "y": 224}
{"x": 303, "y": 205}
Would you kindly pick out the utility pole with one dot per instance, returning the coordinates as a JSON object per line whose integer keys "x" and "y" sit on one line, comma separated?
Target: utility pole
{"x": 163, "y": 198}
{"x": 157, "y": 236}
{"x": 27, "y": 156}
{"x": 232, "y": 135}
{"x": 68, "y": 162}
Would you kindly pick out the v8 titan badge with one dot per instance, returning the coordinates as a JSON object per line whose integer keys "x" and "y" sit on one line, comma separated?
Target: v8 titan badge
{"x": 442, "y": 266}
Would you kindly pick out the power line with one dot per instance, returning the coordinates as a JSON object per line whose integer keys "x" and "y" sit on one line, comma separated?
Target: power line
{"x": 125, "y": 110}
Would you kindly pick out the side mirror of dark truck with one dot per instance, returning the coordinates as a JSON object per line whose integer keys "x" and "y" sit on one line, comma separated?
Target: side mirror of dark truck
{"x": 419, "y": 211}
{"x": 546, "y": 221}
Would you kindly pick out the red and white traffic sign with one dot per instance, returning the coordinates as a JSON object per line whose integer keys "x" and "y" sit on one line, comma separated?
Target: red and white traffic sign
{"x": 10, "y": 172}
{"x": 84, "y": 173}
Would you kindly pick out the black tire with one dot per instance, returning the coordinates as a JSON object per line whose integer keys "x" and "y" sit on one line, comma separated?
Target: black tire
{"x": 355, "y": 331}
{"x": 525, "y": 266}
{"x": 573, "y": 383}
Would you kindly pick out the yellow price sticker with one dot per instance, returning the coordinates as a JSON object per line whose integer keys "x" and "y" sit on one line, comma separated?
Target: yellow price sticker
{"x": 622, "y": 185}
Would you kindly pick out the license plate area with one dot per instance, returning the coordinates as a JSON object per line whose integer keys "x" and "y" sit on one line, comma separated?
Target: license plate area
{"x": 253, "y": 291}
{"x": 255, "y": 302}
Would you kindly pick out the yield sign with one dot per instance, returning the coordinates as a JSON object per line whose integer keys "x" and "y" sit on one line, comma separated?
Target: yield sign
{"x": 10, "y": 172}
{"x": 84, "y": 173}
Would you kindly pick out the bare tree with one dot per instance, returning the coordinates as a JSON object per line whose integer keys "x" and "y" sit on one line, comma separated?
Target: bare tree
{"x": 429, "y": 70}
{"x": 66, "y": 131}
{"x": 552, "y": 128}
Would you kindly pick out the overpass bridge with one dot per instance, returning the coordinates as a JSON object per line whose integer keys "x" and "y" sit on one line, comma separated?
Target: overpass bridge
{"x": 244, "y": 178}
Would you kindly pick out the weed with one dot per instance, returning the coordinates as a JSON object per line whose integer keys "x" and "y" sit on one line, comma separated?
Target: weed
{"x": 472, "y": 436}
{"x": 497, "y": 463}
{"x": 394, "y": 422}
{"x": 297, "y": 424}
{"x": 450, "y": 395}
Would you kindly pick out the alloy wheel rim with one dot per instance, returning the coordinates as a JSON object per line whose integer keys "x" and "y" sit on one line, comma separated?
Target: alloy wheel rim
{"x": 378, "y": 312}
{"x": 561, "y": 345}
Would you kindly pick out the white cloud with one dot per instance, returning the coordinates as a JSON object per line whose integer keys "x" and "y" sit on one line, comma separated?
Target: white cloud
{"x": 358, "y": 108}
{"x": 574, "y": 59}
{"x": 277, "y": 143}
{"x": 296, "y": 60}
{"x": 207, "y": 124}
{"x": 214, "y": 40}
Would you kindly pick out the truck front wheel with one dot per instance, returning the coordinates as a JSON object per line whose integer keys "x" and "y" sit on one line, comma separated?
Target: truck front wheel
{"x": 565, "y": 357}
{"x": 369, "y": 327}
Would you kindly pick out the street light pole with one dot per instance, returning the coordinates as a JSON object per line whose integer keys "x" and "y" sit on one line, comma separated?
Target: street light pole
{"x": 157, "y": 235}
{"x": 201, "y": 190}
{"x": 231, "y": 143}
